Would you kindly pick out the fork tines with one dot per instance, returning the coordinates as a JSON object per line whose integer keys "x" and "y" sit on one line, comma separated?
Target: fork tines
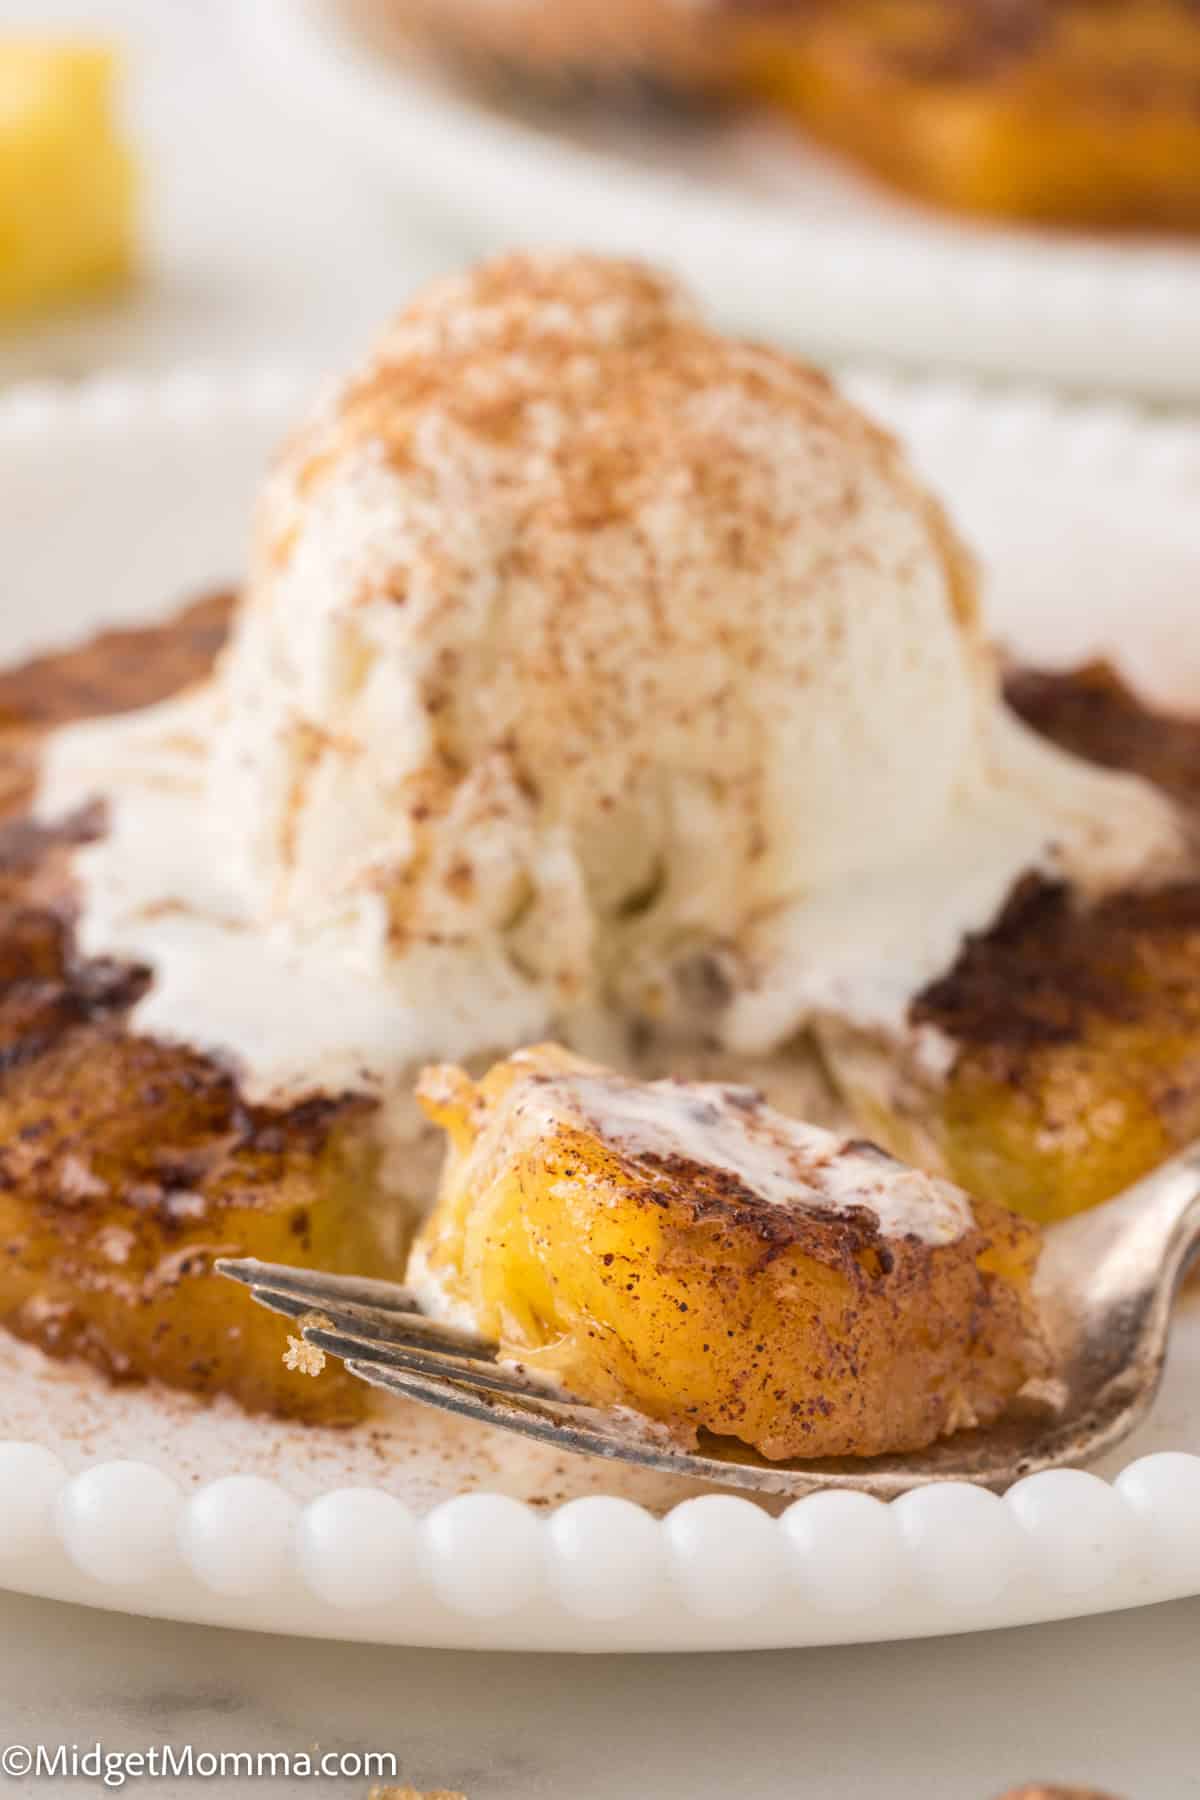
{"x": 375, "y": 1328}
{"x": 378, "y": 1331}
{"x": 535, "y": 1412}
{"x": 382, "y": 1311}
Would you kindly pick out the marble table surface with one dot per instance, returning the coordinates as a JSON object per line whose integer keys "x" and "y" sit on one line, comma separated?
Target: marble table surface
{"x": 1101, "y": 1701}
{"x": 1107, "y": 1702}
{"x": 241, "y": 269}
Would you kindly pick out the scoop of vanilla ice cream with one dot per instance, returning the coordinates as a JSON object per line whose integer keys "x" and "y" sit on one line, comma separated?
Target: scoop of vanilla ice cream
{"x": 588, "y": 659}
{"x": 575, "y": 623}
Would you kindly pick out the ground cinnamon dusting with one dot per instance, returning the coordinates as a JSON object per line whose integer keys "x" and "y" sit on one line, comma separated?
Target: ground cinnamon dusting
{"x": 1093, "y": 713}
{"x": 113, "y": 672}
{"x": 574, "y": 531}
{"x": 1049, "y": 967}
{"x": 116, "y": 671}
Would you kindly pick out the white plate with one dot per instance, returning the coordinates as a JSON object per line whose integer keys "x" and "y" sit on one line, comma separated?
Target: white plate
{"x": 780, "y": 239}
{"x": 119, "y": 498}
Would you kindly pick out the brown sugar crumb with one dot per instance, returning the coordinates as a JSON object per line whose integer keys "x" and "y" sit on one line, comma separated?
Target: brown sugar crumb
{"x": 302, "y": 1358}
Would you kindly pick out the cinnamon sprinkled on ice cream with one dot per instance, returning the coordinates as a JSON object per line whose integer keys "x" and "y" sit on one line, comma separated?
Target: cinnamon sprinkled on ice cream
{"x": 590, "y": 661}
{"x": 542, "y": 604}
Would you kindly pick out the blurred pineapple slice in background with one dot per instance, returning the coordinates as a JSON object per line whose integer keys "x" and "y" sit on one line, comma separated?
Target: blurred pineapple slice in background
{"x": 66, "y": 179}
{"x": 1060, "y": 111}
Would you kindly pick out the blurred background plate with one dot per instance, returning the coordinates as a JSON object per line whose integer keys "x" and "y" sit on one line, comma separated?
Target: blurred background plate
{"x": 781, "y": 241}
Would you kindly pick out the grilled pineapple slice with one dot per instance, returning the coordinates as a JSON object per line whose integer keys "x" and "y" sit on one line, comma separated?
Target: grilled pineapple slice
{"x": 113, "y": 672}
{"x": 1094, "y": 713}
{"x": 1069, "y": 1035}
{"x": 681, "y": 1249}
{"x": 127, "y": 1165}
{"x": 1061, "y": 111}
{"x": 1074, "y": 1047}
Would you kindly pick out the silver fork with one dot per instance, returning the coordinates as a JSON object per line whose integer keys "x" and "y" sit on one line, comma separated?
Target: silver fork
{"x": 1105, "y": 1288}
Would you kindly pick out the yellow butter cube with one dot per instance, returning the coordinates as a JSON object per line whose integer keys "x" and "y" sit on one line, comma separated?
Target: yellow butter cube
{"x": 66, "y": 180}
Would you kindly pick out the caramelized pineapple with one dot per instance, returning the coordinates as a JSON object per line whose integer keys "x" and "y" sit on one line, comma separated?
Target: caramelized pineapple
{"x": 113, "y": 672}
{"x": 1069, "y": 1058}
{"x": 1056, "y": 110}
{"x": 1074, "y": 1044}
{"x": 1092, "y": 712}
{"x": 127, "y": 1165}
{"x": 681, "y": 1249}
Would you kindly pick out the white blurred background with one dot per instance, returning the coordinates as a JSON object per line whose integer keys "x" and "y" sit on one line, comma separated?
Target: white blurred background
{"x": 296, "y": 187}
{"x": 264, "y": 239}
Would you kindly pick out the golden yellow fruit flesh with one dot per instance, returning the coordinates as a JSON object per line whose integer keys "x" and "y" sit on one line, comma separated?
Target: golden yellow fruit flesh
{"x": 66, "y": 180}
{"x": 580, "y": 1224}
{"x": 126, "y": 1168}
